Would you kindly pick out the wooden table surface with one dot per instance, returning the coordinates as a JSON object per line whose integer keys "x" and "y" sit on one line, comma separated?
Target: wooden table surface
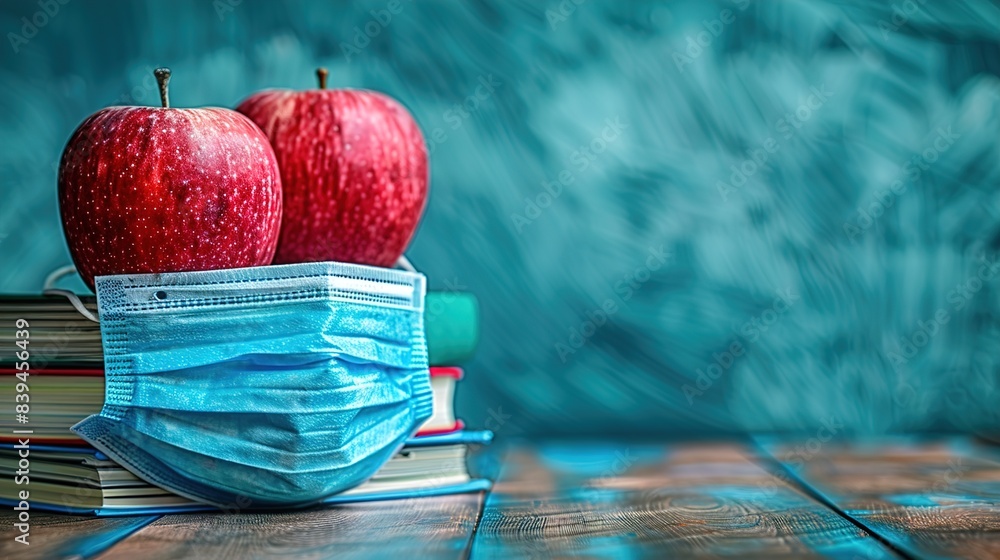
{"x": 767, "y": 498}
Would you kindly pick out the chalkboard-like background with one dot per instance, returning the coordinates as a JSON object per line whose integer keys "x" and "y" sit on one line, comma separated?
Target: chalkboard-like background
{"x": 772, "y": 215}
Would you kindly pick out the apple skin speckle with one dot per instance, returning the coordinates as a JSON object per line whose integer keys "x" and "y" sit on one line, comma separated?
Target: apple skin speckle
{"x": 354, "y": 173}
{"x": 152, "y": 189}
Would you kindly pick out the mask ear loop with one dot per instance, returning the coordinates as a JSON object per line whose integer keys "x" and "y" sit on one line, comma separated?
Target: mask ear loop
{"x": 50, "y": 290}
{"x": 404, "y": 263}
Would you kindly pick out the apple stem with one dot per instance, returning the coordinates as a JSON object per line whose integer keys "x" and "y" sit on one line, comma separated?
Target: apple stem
{"x": 162, "y": 77}
{"x": 322, "y": 73}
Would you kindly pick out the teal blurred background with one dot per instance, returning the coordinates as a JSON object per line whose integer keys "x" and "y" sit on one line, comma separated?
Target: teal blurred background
{"x": 679, "y": 217}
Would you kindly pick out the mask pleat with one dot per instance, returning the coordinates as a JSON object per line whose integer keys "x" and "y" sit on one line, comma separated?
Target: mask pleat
{"x": 327, "y": 386}
{"x": 295, "y": 453}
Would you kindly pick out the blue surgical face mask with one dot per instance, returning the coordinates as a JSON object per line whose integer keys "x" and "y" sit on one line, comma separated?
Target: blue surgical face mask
{"x": 265, "y": 387}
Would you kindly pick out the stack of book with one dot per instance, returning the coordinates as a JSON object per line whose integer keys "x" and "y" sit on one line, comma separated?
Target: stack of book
{"x": 64, "y": 384}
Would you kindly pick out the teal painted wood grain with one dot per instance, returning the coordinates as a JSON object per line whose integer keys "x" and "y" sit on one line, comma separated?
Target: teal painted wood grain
{"x": 665, "y": 501}
{"x": 922, "y": 498}
{"x": 54, "y": 536}
{"x": 433, "y": 527}
{"x": 932, "y": 498}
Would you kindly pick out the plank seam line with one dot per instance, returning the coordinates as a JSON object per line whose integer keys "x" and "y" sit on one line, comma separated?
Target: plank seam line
{"x": 99, "y": 550}
{"x": 475, "y": 526}
{"x": 500, "y": 454}
{"x": 801, "y": 485}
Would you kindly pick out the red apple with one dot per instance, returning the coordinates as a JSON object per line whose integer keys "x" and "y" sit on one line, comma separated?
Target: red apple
{"x": 159, "y": 189}
{"x": 353, "y": 171}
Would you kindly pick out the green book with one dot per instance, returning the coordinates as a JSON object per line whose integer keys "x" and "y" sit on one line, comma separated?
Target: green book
{"x": 451, "y": 321}
{"x": 60, "y": 336}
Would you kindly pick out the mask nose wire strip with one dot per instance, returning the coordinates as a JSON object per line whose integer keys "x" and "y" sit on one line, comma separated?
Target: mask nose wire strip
{"x": 52, "y": 278}
{"x": 50, "y": 290}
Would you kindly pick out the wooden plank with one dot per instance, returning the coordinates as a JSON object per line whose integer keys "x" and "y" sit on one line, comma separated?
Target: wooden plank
{"x": 53, "y": 536}
{"x": 437, "y": 527}
{"x": 657, "y": 502}
{"x": 930, "y": 499}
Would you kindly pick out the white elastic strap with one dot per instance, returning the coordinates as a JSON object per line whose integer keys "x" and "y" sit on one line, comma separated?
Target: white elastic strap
{"x": 74, "y": 299}
{"x": 404, "y": 263}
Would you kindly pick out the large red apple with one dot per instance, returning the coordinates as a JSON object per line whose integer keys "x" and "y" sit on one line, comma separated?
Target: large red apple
{"x": 159, "y": 189}
{"x": 353, "y": 171}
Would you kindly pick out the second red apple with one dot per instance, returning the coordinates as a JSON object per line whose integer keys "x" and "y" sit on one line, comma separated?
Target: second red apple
{"x": 353, "y": 169}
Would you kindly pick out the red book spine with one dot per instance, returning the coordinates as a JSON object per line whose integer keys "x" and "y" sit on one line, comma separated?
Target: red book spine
{"x": 455, "y": 372}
